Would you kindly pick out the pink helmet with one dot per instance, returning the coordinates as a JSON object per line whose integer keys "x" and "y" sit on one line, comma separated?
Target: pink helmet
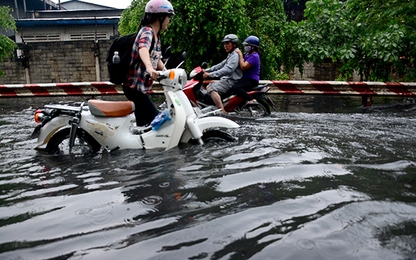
{"x": 159, "y": 7}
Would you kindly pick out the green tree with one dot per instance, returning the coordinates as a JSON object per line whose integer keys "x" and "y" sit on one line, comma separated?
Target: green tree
{"x": 370, "y": 36}
{"x": 267, "y": 20}
{"x": 7, "y": 46}
{"x": 199, "y": 26}
{"x": 391, "y": 28}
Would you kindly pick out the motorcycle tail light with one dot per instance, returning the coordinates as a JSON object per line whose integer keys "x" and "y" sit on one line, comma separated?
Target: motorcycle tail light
{"x": 39, "y": 115}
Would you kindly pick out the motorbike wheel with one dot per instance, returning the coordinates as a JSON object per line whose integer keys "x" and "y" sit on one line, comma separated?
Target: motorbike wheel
{"x": 256, "y": 110}
{"x": 84, "y": 143}
{"x": 216, "y": 136}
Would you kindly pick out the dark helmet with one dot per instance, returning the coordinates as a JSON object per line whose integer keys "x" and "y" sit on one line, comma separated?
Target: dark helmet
{"x": 230, "y": 38}
{"x": 252, "y": 41}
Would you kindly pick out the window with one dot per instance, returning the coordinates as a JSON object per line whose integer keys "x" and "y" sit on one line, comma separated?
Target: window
{"x": 41, "y": 38}
{"x": 88, "y": 36}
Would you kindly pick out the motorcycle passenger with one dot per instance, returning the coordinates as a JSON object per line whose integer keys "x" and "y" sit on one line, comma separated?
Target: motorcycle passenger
{"x": 157, "y": 16}
{"x": 228, "y": 71}
{"x": 250, "y": 65}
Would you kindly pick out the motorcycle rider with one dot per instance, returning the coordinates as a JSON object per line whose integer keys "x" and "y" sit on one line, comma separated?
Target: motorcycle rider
{"x": 250, "y": 65}
{"x": 228, "y": 71}
{"x": 156, "y": 19}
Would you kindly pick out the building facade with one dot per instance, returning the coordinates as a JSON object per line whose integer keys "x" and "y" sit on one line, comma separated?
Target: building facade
{"x": 65, "y": 42}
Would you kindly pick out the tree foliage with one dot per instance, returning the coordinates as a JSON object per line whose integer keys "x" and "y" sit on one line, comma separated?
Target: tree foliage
{"x": 391, "y": 24}
{"x": 199, "y": 26}
{"x": 267, "y": 20}
{"x": 372, "y": 37}
{"x": 7, "y": 46}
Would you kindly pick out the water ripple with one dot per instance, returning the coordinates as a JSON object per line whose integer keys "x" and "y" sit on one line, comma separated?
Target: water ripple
{"x": 292, "y": 186}
{"x": 98, "y": 215}
{"x": 152, "y": 200}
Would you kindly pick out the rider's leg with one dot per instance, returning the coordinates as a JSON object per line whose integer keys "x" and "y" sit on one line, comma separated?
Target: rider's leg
{"x": 144, "y": 109}
{"x": 241, "y": 93}
{"x": 243, "y": 85}
{"x": 217, "y": 100}
{"x": 221, "y": 86}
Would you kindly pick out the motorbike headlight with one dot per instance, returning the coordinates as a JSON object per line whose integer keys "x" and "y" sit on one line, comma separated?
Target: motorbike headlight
{"x": 193, "y": 73}
{"x": 39, "y": 115}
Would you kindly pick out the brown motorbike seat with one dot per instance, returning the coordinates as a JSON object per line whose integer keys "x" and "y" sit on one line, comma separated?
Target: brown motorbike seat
{"x": 110, "y": 108}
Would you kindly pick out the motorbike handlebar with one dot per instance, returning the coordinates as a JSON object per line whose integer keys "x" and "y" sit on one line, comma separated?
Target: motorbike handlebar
{"x": 160, "y": 77}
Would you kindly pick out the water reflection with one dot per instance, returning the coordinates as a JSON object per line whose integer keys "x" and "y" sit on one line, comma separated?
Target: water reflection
{"x": 293, "y": 186}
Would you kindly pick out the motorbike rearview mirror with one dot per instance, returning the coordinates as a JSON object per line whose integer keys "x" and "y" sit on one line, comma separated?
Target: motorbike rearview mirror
{"x": 183, "y": 59}
{"x": 204, "y": 65}
{"x": 166, "y": 55}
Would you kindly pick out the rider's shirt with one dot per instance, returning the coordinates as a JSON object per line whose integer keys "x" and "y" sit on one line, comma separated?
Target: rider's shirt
{"x": 227, "y": 69}
{"x": 254, "y": 71}
{"x": 137, "y": 76}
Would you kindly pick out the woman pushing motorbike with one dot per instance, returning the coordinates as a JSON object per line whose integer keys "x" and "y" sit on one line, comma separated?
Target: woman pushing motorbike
{"x": 148, "y": 48}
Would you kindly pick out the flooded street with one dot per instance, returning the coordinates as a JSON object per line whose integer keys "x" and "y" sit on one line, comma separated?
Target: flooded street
{"x": 320, "y": 178}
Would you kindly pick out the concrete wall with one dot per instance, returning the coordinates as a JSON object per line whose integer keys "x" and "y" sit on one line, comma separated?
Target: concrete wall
{"x": 54, "y": 62}
{"x": 320, "y": 72}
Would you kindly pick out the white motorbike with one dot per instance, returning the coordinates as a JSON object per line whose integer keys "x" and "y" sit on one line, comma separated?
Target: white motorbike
{"x": 108, "y": 124}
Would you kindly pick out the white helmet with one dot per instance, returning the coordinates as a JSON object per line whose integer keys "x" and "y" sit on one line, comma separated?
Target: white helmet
{"x": 159, "y": 7}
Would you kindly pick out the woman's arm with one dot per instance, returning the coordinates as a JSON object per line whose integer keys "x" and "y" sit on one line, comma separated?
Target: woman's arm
{"x": 244, "y": 65}
{"x": 145, "y": 57}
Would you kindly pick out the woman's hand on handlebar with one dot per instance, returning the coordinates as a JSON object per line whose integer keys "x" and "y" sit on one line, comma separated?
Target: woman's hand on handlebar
{"x": 153, "y": 73}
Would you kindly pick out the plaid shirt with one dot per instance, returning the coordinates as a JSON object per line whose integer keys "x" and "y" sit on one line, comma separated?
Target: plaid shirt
{"x": 136, "y": 77}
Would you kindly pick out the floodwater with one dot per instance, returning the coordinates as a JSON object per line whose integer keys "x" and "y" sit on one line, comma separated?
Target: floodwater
{"x": 320, "y": 178}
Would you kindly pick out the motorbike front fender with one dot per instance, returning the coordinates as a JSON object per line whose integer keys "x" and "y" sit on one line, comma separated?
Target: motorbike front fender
{"x": 50, "y": 128}
{"x": 216, "y": 121}
{"x": 209, "y": 122}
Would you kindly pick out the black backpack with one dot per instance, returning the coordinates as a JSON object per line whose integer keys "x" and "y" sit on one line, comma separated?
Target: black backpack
{"x": 124, "y": 45}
